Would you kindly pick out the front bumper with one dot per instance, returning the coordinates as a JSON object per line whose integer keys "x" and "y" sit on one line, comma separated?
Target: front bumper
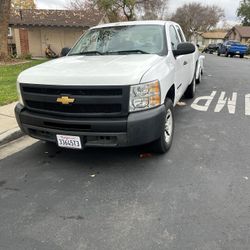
{"x": 136, "y": 129}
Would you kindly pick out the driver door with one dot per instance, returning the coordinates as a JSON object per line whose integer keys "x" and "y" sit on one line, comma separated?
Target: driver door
{"x": 182, "y": 64}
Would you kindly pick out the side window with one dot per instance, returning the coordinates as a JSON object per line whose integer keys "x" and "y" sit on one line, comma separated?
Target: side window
{"x": 180, "y": 34}
{"x": 174, "y": 38}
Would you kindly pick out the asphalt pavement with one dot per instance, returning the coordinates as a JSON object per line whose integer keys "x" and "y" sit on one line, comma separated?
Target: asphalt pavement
{"x": 195, "y": 197}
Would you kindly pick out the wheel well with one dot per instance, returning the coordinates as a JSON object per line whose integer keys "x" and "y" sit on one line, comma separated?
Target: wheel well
{"x": 171, "y": 93}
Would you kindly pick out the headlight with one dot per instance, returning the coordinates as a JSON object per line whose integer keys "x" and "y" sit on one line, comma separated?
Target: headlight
{"x": 144, "y": 96}
{"x": 20, "y": 99}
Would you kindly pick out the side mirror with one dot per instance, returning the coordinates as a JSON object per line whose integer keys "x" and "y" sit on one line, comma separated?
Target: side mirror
{"x": 64, "y": 51}
{"x": 184, "y": 49}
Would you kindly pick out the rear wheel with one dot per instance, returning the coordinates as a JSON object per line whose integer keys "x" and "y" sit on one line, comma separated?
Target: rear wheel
{"x": 190, "y": 92}
{"x": 241, "y": 55}
{"x": 163, "y": 144}
{"x": 199, "y": 77}
{"x": 231, "y": 55}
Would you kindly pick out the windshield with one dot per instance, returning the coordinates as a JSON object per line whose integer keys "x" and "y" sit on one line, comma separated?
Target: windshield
{"x": 234, "y": 43}
{"x": 142, "y": 39}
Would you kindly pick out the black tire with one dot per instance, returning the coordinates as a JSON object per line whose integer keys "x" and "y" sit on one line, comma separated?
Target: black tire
{"x": 163, "y": 144}
{"x": 226, "y": 54}
{"x": 190, "y": 91}
{"x": 198, "y": 81}
{"x": 241, "y": 55}
{"x": 218, "y": 54}
{"x": 231, "y": 55}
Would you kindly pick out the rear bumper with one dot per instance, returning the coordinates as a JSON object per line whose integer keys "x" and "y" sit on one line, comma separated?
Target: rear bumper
{"x": 237, "y": 52}
{"x": 136, "y": 129}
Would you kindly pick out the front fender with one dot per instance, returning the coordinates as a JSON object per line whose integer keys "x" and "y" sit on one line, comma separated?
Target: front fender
{"x": 163, "y": 71}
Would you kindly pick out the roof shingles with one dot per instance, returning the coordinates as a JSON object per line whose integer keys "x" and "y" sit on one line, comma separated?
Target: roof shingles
{"x": 214, "y": 35}
{"x": 58, "y": 18}
{"x": 243, "y": 30}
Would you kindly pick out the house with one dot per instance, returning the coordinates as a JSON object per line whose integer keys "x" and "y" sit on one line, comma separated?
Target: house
{"x": 239, "y": 33}
{"x": 210, "y": 37}
{"x": 33, "y": 30}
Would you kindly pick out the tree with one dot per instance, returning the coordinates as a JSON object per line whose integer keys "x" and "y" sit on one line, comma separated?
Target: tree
{"x": 23, "y": 4}
{"x": 81, "y": 5}
{"x": 153, "y": 9}
{"x": 120, "y": 10}
{"x": 244, "y": 12}
{"x": 116, "y": 10}
{"x": 4, "y": 24}
{"x": 195, "y": 17}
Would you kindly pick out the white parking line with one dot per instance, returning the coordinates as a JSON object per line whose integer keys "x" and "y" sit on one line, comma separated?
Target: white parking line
{"x": 247, "y": 104}
{"x": 208, "y": 99}
{"x": 231, "y": 103}
{"x": 223, "y": 100}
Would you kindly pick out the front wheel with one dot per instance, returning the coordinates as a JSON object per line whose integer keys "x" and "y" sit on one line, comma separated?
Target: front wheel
{"x": 163, "y": 144}
{"x": 241, "y": 55}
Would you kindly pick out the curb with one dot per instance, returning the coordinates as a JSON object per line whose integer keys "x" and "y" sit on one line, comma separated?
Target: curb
{"x": 10, "y": 135}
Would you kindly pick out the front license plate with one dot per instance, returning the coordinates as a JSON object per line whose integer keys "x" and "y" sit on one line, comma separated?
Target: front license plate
{"x": 238, "y": 52}
{"x": 69, "y": 141}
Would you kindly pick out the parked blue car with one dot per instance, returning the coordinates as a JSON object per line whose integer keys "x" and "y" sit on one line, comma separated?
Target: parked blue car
{"x": 232, "y": 48}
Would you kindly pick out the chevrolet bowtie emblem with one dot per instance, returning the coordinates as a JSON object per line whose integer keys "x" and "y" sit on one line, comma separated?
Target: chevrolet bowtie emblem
{"x": 65, "y": 100}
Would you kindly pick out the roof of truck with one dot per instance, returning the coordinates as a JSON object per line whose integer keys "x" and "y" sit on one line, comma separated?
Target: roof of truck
{"x": 151, "y": 22}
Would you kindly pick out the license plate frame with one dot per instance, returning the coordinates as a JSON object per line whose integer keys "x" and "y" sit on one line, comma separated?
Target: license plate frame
{"x": 69, "y": 141}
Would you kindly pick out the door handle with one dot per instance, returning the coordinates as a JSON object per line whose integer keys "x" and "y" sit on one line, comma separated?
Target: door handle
{"x": 185, "y": 63}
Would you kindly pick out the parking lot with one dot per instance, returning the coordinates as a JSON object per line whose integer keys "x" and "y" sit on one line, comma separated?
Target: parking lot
{"x": 195, "y": 197}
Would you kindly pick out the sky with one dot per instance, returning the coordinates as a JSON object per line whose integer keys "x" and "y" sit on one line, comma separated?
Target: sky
{"x": 230, "y": 6}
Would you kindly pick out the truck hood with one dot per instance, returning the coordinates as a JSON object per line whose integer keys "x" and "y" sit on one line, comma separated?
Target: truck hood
{"x": 91, "y": 70}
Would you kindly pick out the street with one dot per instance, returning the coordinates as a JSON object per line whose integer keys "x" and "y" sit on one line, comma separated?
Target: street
{"x": 197, "y": 196}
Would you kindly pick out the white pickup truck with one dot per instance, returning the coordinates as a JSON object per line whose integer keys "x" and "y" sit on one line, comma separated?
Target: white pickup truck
{"x": 116, "y": 87}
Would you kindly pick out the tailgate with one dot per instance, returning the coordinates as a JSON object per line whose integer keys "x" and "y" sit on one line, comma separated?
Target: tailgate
{"x": 242, "y": 49}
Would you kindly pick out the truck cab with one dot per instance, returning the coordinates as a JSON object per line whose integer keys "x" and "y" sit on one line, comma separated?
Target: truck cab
{"x": 116, "y": 87}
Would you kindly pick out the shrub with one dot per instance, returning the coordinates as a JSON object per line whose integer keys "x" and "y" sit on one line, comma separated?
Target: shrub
{"x": 26, "y": 56}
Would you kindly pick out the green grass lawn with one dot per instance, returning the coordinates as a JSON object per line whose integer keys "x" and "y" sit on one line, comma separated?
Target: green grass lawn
{"x": 8, "y": 76}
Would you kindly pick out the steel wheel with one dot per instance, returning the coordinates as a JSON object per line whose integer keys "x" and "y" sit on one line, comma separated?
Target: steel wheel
{"x": 194, "y": 85}
{"x": 163, "y": 144}
{"x": 168, "y": 126}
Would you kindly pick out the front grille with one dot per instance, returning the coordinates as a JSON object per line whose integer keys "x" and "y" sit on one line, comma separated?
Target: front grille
{"x": 89, "y": 101}
{"x": 74, "y": 91}
{"x": 76, "y": 108}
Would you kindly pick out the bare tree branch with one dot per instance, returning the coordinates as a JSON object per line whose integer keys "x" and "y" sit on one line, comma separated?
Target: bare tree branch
{"x": 195, "y": 17}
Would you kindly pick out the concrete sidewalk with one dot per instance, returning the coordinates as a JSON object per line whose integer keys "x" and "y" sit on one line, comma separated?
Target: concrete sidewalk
{"x": 9, "y": 129}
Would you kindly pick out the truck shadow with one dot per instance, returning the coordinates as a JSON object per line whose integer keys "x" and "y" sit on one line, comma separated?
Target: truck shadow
{"x": 50, "y": 156}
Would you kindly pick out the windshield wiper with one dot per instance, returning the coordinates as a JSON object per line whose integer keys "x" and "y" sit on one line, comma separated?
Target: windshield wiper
{"x": 95, "y": 52}
{"x": 136, "y": 51}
